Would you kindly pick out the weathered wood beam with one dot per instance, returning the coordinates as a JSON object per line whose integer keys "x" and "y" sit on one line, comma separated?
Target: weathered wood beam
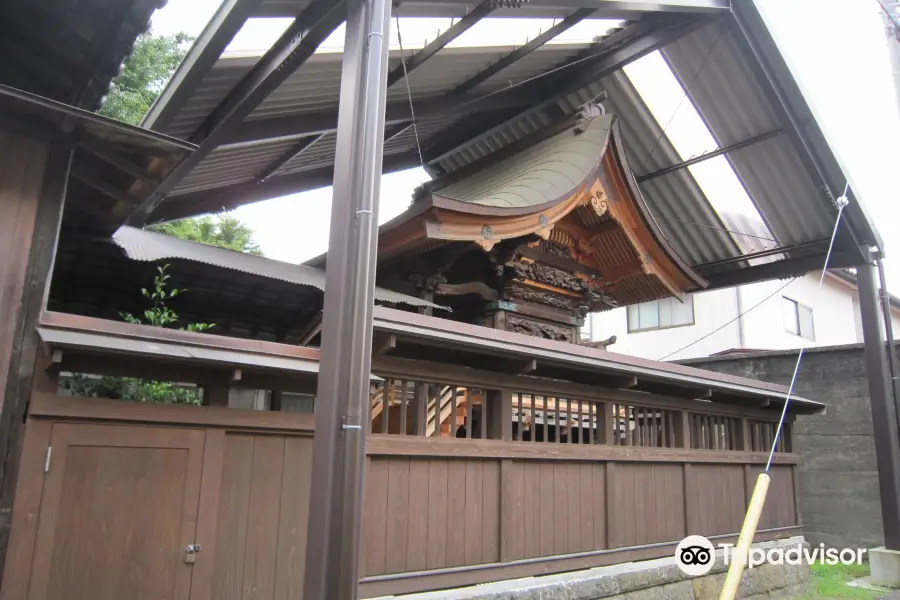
{"x": 118, "y": 161}
{"x": 311, "y": 329}
{"x": 383, "y": 343}
{"x": 116, "y": 194}
{"x": 527, "y": 367}
{"x": 560, "y": 262}
{"x": 478, "y": 288}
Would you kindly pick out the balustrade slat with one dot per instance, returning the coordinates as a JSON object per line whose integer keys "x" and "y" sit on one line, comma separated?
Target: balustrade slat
{"x": 403, "y": 402}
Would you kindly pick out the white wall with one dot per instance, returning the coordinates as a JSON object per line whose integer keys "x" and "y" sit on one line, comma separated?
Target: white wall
{"x": 711, "y": 309}
{"x": 835, "y": 319}
{"x": 832, "y": 305}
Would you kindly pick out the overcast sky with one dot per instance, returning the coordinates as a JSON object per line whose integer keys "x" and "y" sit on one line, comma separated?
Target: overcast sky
{"x": 835, "y": 48}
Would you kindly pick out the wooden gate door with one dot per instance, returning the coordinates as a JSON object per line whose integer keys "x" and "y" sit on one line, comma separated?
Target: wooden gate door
{"x": 118, "y": 510}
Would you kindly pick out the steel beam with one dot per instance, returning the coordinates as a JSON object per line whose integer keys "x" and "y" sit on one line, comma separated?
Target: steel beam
{"x": 267, "y": 130}
{"x": 227, "y": 198}
{"x": 342, "y": 398}
{"x": 441, "y": 41}
{"x": 288, "y": 156}
{"x": 781, "y": 269}
{"x": 601, "y": 60}
{"x": 203, "y": 54}
{"x": 549, "y": 9}
{"x": 512, "y": 58}
{"x": 884, "y": 412}
{"x": 712, "y": 154}
{"x": 774, "y": 78}
{"x": 293, "y": 48}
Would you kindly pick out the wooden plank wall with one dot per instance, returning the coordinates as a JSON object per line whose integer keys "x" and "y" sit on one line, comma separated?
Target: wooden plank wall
{"x": 430, "y": 514}
{"x": 438, "y": 513}
{"x": 260, "y": 545}
{"x": 552, "y": 508}
{"x": 21, "y": 182}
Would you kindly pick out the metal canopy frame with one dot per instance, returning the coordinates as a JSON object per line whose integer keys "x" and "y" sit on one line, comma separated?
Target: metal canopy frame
{"x": 490, "y": 116}
{"x": 295, "y": 46}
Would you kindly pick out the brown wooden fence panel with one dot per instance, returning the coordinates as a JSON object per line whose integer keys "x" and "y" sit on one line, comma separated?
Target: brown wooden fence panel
{"x": 430, "y": 514}
{"x": 263, "y": 510}
{"x": 779, "y": 508}
{"x": 715, "y": 498}
{"x": 646, "y": 503}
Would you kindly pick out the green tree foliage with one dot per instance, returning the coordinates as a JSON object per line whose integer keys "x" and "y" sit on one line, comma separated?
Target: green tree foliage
{"x": 220, "y": 230}
{"x": 144, "y": 75}
{"x": 131, "y": 388}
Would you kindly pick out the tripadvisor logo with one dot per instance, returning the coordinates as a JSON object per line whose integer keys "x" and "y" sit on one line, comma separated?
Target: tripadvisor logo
{"x": 695, "y": 555}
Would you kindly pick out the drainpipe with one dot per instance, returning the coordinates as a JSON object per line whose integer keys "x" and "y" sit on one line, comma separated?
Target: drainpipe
{"x": 889, "y": 331}
{"x": 740, "y": 320}
{"x": 884, "y": 417}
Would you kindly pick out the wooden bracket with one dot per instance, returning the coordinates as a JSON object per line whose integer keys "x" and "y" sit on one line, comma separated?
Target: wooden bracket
{"x": 311, "y": 329}
{"x": 383, "y": 343}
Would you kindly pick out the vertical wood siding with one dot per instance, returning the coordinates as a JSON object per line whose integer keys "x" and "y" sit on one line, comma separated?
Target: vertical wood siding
{"x": 646, "y": 504}
{"x": 716, "y": 499}
{"x": 21, "y": 180}
{"x": 260, "y": 548}
{"x": 430, "y": 514}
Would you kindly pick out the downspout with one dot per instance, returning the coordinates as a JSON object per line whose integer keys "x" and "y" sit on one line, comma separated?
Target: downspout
{"x": 740, "y": 317}
{"x": 889, "y": 333}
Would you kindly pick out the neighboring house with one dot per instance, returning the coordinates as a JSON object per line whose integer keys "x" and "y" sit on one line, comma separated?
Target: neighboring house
{"x": 800, "y": 314}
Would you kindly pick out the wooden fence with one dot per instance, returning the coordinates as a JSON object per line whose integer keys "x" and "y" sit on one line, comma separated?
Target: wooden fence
{"x": 485, "y": 477}
{"x": 471, "y": 477}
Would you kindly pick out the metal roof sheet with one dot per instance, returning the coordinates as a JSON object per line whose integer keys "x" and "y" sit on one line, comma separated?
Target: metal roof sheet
{"x": 316, "y": 85}
{"x": 711, "y": 65}
{"x": 540, "y": 174}
{"x": 140, "y": 244}
{"x": 740, "y": 88}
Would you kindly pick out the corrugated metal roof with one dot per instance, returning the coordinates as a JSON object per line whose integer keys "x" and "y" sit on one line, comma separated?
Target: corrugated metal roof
{"x": 725, "y": 84}
{"x": 540, "y": 174}
{"x": 232, "y": 165}
{"x": 316, "y": 85}
{"x": 680, "y": 208}
{"x": 140, "y": 244}
{"x": 735, "y": 108}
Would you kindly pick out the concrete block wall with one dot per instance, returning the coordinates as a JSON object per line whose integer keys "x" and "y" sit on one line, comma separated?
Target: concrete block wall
{"x": 840, "y": 504}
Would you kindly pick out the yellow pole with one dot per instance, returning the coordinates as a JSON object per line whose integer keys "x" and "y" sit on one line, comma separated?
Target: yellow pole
{"x": 741, "y": 551}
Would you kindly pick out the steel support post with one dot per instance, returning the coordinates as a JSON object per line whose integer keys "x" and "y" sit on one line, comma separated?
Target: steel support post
{"x": 884, "y": 417}
{"x": 889, "y": 336}
{"x": 342, "y": 400}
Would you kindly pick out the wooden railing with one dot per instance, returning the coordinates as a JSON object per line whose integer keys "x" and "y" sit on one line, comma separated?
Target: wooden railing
{"x": 469, "y": 404}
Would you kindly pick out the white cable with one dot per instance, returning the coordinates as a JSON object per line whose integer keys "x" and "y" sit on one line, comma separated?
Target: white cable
{"x": 412, "y": 113}
{"x": 841, "y": 203}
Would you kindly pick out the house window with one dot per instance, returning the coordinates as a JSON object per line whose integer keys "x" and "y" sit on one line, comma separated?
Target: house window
{"x": 798, "y": 319}
{"x": 660, "y": 314}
